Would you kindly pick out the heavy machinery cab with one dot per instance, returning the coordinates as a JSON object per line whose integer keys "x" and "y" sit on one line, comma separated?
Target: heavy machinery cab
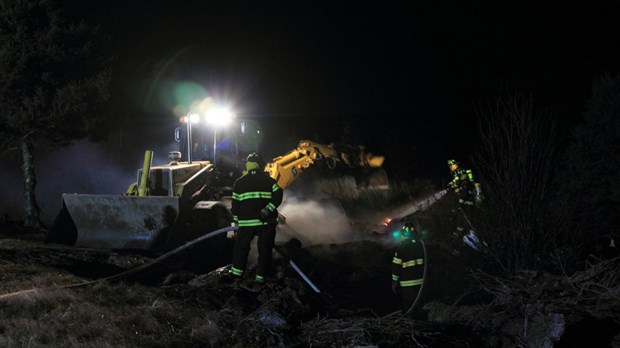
{"x": 190, "y": 181}
{"x": 171, "y": 179}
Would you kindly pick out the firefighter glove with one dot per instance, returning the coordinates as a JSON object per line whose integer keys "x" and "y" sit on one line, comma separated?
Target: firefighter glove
{"x": 232, "y": 233}
{"x": 265, "y": 214}
{"x": 395, "y": 286}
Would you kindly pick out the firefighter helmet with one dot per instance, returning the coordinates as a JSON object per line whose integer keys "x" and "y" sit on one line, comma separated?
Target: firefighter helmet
{"x": 453, "y": 164}
{"x": 408, "y": 231}
{"x": 254, "y": 161}
{"x": 255, "y": 157}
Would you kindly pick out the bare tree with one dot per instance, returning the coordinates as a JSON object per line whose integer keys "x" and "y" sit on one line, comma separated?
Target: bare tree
{"x": 51, "y": 81}
{"x": 517, "y": 166}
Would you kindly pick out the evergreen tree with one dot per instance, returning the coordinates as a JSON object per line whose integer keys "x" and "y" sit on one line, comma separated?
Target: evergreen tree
{"x": 593, "y": 174}
{"x": 51, "y": 82}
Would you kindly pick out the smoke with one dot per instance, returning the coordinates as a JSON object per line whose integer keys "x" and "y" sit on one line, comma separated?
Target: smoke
{"x": 320, "y": 220}
{"x": 80, "y": 168}
{"x": 315, "y": 222}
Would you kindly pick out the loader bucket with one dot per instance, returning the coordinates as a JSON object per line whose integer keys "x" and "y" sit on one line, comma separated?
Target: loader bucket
{"x": 114, "y": 221}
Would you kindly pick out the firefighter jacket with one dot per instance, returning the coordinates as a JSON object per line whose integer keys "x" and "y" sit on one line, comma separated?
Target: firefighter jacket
{"x": 408, "y": 263}
{"x": 464, "y": 186}
{"x": 252, "y": 193}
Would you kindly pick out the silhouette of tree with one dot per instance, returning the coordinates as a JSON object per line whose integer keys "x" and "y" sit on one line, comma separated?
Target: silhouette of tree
{"x": 51, "y": 82}
{"x": 517, "y": 166}
{"x": 593, "y": 165}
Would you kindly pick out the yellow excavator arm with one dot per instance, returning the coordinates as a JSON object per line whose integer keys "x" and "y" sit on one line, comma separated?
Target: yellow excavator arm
{"x": 286, "y": 168}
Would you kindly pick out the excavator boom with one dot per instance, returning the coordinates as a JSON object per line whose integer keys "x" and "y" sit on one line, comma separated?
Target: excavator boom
{"x": 286, "y": 168}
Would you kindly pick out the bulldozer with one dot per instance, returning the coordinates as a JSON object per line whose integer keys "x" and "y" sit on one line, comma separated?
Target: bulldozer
{"x": 173, "y": 204}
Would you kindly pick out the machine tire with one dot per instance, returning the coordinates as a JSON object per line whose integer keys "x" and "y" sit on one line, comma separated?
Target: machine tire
{"x": 213, "y": 252}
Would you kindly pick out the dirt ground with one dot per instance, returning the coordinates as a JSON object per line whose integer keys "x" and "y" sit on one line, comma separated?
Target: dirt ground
{"x": 53, "y": 295}
{"x": 58, "y": 296}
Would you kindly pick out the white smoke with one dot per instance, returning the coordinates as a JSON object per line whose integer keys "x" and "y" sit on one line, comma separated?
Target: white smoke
{"x": 321, "y": 220}
{"x": 83, "y": 167}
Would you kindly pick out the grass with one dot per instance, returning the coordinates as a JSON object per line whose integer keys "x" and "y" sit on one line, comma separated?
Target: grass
{"x": 346, "y": 190}
{"x": 98, "y": 315}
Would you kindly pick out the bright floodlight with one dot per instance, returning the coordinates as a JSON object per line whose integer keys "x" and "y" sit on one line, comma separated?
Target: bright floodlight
{"x": 194, "y": 118}
{"x": 219, "y": 117}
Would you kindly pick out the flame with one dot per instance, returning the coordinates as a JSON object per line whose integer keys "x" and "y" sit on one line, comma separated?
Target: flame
{"x": 386, "y": 221}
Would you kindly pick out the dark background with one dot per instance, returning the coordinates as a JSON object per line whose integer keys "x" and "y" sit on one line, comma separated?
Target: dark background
{"x": 406, "y": 79}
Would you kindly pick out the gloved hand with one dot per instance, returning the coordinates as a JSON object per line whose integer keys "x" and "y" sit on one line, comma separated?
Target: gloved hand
{"x": 265, "y": 214}
{"x": 232, "y": 233}
{"x": 395, "y": 286}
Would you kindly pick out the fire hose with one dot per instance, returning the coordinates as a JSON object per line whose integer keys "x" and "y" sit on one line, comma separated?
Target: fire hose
{"x": 419, "y": 295}
{"x": 282, "y": 220}
{"x": 130, "y": 271}
{"x": 298, "y": 270}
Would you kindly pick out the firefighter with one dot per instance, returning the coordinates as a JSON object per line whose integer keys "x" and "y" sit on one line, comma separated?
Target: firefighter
{"x": 463, "y": 184}
{"x": 408, "y": 267}
{"x": 256, "y": 197}
{"x": 469, "y": 196}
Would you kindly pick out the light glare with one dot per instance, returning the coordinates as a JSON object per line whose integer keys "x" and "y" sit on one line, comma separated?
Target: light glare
{"x": 219, "y": 117}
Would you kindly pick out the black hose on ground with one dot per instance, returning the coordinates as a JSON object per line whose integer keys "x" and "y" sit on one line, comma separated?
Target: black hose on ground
{"x": 131, "y": 271}
{"x": 297, "y": 269}
{"x": 419, "y": 296}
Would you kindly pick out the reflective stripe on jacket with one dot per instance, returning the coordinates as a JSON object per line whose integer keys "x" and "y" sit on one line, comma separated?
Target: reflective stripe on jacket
{"x": 464, "y": 185}
{"x": 251, "y": 193}
{"x": 408, "y": 263}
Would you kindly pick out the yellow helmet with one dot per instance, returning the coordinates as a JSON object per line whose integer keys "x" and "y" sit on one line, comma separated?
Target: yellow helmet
{"x": 453, "y": 164}
{"x": 254, "y": 161}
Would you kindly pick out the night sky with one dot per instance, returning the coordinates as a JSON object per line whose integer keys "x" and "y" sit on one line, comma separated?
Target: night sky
{"x": 304, "y": 71}
{"x": 406, "y": 78}
{"x": 375, "y": 67}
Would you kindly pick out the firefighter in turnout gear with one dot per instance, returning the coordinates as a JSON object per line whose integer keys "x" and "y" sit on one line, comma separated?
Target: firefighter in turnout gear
{"x": 408, "y": 267}
{"x": 469, "y": 196}
{"x": 463, "y": 184}
{"x": 256, "y": 197}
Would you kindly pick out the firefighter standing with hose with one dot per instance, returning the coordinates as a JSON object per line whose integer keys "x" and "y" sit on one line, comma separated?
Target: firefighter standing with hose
{"x": 463, "y": 184}
{"x": 256, "y": 197}
{"x": 469, "y": 196}
{"x": 409, "y": 267}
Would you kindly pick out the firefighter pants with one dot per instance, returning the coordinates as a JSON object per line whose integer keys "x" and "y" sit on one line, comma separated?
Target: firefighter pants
{"x": 463, "y": 213}
{"x": 266, "y": 238}
{"x": 410, "y": 293}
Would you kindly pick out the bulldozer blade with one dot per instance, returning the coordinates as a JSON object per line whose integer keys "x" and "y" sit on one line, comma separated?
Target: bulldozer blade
{"x": 114, "y": 221}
